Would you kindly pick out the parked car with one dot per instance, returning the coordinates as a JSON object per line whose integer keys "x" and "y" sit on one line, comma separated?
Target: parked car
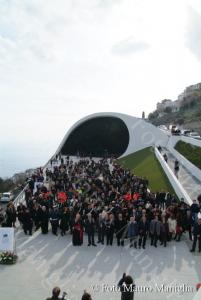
{"x": 163, "y": 127}
{"x": 185, "y": 131}
{"x": 7, "y": 197}
{"x": 194, "y": 135}
{"x": 174, "y": 130}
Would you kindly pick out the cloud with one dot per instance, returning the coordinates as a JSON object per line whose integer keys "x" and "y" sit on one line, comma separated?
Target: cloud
{"x": 193, "y": 32}
{"x": 61, "y": 60}
{"x": 129, "y": 46}
{"x": 7, "y": 50}
{"x": 108, "y": 3}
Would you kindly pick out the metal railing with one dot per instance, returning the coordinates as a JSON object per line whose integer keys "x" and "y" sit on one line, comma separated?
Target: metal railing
{"x": 21, "y": 197}
{"x": 179, "y": 190}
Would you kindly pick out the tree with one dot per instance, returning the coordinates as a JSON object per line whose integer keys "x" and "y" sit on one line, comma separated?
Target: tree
{"x": 153, "y": 115}
{"x": 180, "y": 121}
{"x": 6, "y": 185}
{"x": 168, "y": 110}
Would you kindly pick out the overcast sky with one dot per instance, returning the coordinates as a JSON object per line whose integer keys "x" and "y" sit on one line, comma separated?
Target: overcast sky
{"x": 61, "y": 60}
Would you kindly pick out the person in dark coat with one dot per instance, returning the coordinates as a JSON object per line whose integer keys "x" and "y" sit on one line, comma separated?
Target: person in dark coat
{"x": 194, "y": 210}
{"x": 165, "y": 157}
{"x": 110, "y": 229}
{"x": 199, "y": 199}
{"x": 54, "y": 220}
{"x": 20, "y": 211}
{"x": 133, "y": 232}
{"x": 1, "y": 216}
{"x": 143, "y": 231}
{"x": 101, "y": 228}
{"x": 65, "y": 220}
{"x": 155, "y": 227}
{"x": 86, "y": 296}
{"x": 197, "y": 236}
{"x": 164, "y": 232}
{"x": 36, "y": 213}
{"x": 179, "y": 227}
{"x": 162, "y": 196}
{"x": 127, "y": 287}
{"x": 120, "y": 229}
{"x": 55, "y": 294}
{"x": 10, "y": 215}
{"x": 168, "y": 200}
{"x": 44, "y": 220}
{"x": 188, "y": 223}
{"x": 27, "y": 221}
{"x": 176, "y": 168}
{"x": 77, "y": 231}
{"x": 90, "y": 227}
{"x": 159, "y": 148}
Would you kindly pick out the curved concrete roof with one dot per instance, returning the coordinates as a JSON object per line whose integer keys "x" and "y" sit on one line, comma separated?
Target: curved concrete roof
{"x": 142, "y": 134}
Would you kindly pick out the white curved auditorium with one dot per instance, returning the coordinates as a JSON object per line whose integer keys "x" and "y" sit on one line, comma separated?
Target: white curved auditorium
{"x": 112, "y": 133}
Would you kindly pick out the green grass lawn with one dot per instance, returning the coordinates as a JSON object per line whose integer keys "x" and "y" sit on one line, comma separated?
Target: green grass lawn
{"x": 145, "y": 164}
{"x": 191, "y": 152}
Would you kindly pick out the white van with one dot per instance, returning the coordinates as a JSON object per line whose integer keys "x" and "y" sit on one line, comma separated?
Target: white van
{"x": 6, "y": 197}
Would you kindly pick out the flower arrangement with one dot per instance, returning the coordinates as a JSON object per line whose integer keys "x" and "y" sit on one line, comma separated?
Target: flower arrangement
{"x": 7, "y": 258}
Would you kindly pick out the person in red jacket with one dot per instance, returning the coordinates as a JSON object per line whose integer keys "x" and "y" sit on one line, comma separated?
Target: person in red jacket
{"x": 136, "y": 196}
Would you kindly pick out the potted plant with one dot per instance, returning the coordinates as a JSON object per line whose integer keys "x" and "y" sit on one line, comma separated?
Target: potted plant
{"x": 7, "y": 258}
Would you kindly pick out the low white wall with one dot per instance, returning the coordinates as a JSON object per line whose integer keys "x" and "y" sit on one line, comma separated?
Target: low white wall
{"x": 195, "y": 171}
{"x": 179, "y": 190}
{"x": 173, "y": 139}
{"x": 191, "y": 141}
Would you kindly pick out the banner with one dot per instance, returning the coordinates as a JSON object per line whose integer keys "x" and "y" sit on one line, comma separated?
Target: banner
{"x": 7, "y": 239}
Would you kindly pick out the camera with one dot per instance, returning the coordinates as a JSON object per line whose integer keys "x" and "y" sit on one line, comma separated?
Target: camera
{"x": 64, "y": 295}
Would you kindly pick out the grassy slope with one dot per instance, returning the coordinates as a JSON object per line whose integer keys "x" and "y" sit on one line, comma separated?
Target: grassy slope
{"x": 144, "y": 163}
{"x": 191, "y": 152}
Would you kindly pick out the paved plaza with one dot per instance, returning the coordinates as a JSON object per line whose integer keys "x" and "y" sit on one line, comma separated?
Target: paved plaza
{"x": 45, "y": 261}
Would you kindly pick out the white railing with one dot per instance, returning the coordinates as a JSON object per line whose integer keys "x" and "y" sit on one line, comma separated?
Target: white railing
{"x": 21, "y": 197}
{"x": 179, "y": 190}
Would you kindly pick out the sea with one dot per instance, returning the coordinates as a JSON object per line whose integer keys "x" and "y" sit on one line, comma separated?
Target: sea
{"x": 18, "y": 158}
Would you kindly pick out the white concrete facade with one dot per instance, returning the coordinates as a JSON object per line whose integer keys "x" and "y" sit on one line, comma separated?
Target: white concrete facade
{"x": 141, "y": 133}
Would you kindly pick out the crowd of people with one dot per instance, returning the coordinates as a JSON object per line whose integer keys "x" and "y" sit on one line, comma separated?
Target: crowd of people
{"x": 103, "y": 201}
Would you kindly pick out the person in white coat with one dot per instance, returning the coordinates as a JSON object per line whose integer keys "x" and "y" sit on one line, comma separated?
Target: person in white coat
{"x": 172, "y": 224}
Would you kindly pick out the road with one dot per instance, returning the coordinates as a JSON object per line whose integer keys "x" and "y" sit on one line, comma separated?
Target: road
{"x": 16, "y": 192}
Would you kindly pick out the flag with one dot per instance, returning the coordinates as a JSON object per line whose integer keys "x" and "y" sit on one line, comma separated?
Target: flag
{"x": 127, "y": 197}
{"x": 61, "y": 197}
